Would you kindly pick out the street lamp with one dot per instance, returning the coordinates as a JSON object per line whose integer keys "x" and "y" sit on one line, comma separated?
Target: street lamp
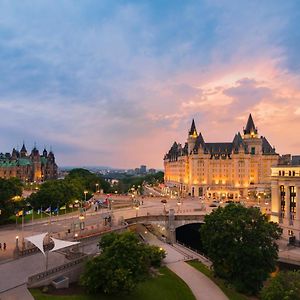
{"x": 136, "y": 213}
{"x": 81, "y": 224}
{"x": 85, "y": 192}
{"x": 97, "y": 187}
{"x": 178, "y": 206}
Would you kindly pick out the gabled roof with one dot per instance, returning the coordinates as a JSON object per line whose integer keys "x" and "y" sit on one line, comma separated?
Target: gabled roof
{"x": 250, "y": 127}
{"x": 219, "y": 148}
{"x": 199, "y": 141}
{"x": 266, "y": 147}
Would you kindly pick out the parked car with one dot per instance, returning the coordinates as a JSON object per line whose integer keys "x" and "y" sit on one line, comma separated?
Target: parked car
{"x": 164, "y": 201}
{"x": 213, "y": 205}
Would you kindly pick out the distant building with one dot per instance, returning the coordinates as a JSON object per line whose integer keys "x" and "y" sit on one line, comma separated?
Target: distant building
{"x": 152, "y": 171}
{"x": 143, "y": 169}
{"x": 286, "y": 198}
{"x": 28, "y": 167}
{"x": 226, "y": 170}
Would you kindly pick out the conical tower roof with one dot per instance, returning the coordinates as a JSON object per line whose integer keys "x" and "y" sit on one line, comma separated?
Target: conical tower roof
{"x": 193, "y": 130}
{"x": 250, "y": 127}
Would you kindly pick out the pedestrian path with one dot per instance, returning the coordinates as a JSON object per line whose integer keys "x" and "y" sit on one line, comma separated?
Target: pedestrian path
{"x": 17, "y": 293}
{"x": 202, "y": 287}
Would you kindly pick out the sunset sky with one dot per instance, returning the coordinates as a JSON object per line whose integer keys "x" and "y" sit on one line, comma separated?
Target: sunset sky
{"x": 115, "y": 83}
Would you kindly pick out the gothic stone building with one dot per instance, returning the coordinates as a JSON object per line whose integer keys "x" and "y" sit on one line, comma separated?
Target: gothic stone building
{"x": 221, "y": 170}
{"x": 31, "y": 167}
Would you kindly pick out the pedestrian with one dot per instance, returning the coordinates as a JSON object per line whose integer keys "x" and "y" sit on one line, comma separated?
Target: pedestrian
{"x": 0, "y": 246}
{"x": 4, "y": 246}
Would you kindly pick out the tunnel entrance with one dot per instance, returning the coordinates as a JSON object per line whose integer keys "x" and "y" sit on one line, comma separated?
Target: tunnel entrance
{"x": 189, "y": 235}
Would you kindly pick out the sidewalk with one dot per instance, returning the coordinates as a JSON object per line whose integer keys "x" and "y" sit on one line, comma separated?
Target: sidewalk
{"x": 202, "y": 287}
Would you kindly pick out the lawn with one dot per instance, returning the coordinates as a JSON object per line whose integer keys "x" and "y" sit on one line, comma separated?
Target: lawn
{"x": 165, "y": 286}
{"x": 229, "y": 292}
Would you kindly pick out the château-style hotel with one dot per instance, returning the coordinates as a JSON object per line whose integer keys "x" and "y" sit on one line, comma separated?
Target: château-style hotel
{"x": 221, "y": 170}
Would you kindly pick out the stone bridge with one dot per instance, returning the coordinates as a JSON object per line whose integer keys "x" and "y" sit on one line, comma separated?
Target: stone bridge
{"x": 165, "y": 220}
{"x": 167, "y": 223}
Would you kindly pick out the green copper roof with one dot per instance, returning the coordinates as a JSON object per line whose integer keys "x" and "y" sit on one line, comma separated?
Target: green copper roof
{"x": 24, "y": 162}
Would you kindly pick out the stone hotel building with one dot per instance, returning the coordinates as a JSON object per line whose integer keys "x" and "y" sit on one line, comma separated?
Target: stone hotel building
{"x": 286, "y": 198}
{"x": 221, "y": 170}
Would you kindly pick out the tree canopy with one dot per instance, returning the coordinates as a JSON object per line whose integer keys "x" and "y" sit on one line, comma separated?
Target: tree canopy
{"x": 284, "y": 286}
{"x": 241, "y": 243}
{"x": 9, "y": 188}
{"x": 56, "y": 193}
{"x": 124, "y": 261}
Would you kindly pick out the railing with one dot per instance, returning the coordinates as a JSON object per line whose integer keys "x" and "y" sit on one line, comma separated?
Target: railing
{"x": 195, "y": 250}
{"x": 46, "y": 274}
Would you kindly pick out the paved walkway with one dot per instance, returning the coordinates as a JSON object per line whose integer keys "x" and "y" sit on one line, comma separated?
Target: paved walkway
{"x": 19, "y": 293}
{"x": 202, "y": 287}
{"x": 14, "y": 274}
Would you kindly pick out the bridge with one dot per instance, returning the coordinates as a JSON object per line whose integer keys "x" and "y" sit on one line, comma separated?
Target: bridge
{"x": 166, "y": 224}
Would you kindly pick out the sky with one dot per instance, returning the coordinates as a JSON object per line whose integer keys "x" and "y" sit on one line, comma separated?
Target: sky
{"x": 115, "y": 83}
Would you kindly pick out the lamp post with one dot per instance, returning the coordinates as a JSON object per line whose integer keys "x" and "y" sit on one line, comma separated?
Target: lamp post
{"x": 97, "y": 187}
{"x": 178, "y": 206}
{"x": 81, "y": 224}
{"x": 136, "y": 213}
{"x": 85, "y": 192}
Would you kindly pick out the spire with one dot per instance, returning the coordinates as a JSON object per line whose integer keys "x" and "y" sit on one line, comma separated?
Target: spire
{"x": 250, "y": 127}
{"x": 193, "y": 130}
{"x": 23, "y": 148}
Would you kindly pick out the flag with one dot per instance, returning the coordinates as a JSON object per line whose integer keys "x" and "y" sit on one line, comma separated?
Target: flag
{"x": 55, "y": 210}
{"x": 19, "y": 213}
{"x": 63, "y": 207}
{"x": 29, "y": 212}
{"x": 48, "y": 209}
{"x": 71, "y": 205}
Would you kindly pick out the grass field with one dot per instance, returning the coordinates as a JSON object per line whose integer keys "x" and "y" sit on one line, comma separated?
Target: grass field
{"x": 166, "y": 286}
{"x": 229, "y": 292}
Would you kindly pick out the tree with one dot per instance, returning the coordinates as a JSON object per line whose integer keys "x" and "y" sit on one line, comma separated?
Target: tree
{"x": 9, "y": 188}
{"x": 124, "y": 261}
{"x": 284, "y": 286}
{"x": 241, "y": 244}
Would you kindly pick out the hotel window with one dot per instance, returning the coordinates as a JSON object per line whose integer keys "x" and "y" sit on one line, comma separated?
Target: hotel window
{"x": 282, "y": 202}
{"x": 292, "y": 204}
{"x": 252, "y": 150}
{"x": 279, "y": 173}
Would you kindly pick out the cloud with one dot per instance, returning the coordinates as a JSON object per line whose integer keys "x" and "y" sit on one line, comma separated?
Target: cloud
{"x": 116, "y": 82}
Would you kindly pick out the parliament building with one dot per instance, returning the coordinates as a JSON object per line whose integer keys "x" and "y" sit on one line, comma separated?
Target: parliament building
{"x": 221, "y": 170}
{"x": 33, "y": 167}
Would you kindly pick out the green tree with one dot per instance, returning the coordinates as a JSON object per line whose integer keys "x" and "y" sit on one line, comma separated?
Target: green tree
{"x": 9, "y": 188}
{"x": 124, "y": 261}
{"x": 241, "y": 244}
{"x": 54, "y": 193}
{"x": 284, "y": 286}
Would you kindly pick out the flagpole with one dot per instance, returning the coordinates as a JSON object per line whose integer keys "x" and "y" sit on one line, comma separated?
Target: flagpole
{"x": 41, "y": 212}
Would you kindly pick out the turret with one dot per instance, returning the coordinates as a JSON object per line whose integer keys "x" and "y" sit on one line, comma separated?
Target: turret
{"x": 192, "y": 137}
{"x": 23, "y": 152}
{"x": 250, "y": 131}
{"x": 45, "y": 153}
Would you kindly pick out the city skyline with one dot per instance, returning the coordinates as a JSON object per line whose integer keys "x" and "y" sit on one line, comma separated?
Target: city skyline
{"x": 115, "y": 83}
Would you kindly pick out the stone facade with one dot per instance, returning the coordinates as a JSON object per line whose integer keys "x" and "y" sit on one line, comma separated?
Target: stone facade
{"x": 31, "y": 167}
{"x": 227, "y": 170}
{"x": 286, "y": 199}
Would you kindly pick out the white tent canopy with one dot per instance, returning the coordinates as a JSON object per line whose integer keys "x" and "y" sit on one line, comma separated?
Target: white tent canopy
{"x": 37, "y": 240}
{"x": 59, "y": 244}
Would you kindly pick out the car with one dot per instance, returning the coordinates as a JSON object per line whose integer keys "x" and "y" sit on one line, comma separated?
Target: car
{"x": 213, "y": 205}
{"x": 164, "y": 201}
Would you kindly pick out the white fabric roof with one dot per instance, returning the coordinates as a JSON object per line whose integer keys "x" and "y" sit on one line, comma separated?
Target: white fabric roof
{"x": 59, "y": 244}
{"x": 37, "y": 240}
